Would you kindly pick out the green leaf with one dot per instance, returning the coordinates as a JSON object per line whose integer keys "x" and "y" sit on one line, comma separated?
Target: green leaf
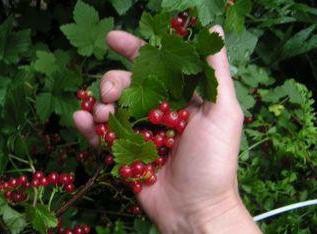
{"x": 44, "y": 105}
{"x": 95, "y": 89}
{"x": 246, "y": 100}
{"x": 103, "y": 230}
{"x": 142, "y": 97}
{"x": 302, "y": 42}
{"x": 240, "y": 46}
{"x": 13, "y": 44}
{"x": 208, "y": 43}
{"x": 13, "y": 220}
{"x": 45, "y": 63}
{"x": 3, "y": 162}
{"x": 4, "y": 83}
{"x": 210, "y": 10}
{"x": 154, "y": 27}
{"x": 178, "y": 5}
{"x": 41, "y": 218}
{"x": 253, "y": 76}
{"x": 120, "y": 124}
{"x": 88, "y": 32}
{"x": 65, "y": 106}
{"x": 235, "y": 15}
{"x": 121, "y": 6}
{"x": 208, "y": 85}
{"x": 126, "y": 151}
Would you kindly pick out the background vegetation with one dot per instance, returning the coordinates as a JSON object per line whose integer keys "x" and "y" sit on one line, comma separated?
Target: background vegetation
{"x": 272, "y": 49}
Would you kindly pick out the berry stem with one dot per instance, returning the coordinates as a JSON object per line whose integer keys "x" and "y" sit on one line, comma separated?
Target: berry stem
{"x": 51, "y": 198}
{"x": 35, "y": 196}
{"x": 139, "y": 121}
{"x": 254, "y": 145}
{"x": 84, "y": 189}
{"x": 18, "y": 159}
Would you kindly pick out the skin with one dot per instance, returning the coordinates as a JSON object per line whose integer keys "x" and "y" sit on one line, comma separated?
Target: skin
{"x": 197, "y": 190}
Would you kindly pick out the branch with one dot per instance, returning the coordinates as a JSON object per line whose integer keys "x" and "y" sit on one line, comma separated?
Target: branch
{"x": 85, "y": 188}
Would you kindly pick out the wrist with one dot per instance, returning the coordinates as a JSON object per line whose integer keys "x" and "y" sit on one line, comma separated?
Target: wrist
{"x": 225, "y": 215}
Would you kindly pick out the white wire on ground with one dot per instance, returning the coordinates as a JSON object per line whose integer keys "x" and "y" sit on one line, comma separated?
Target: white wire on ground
{"x": 284, "y": 209}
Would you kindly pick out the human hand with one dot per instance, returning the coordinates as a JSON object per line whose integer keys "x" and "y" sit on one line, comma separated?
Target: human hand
{"x": 196, "y": 191}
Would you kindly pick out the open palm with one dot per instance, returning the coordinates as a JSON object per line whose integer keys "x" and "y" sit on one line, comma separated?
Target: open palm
{"x": 201, "y": 171}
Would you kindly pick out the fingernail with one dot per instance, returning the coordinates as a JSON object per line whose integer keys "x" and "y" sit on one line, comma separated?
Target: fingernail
{"x": 108, "y": 85}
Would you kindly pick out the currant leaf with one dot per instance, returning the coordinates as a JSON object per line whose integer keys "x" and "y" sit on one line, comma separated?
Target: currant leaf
{"x": 127, "y": 151}
{"x": 208, "y": 85}
{"x": 121, "y": 6}
{"x": 141, "y": 97}
{"x": 208, "y": 43}
{"x": 88, "y": 32}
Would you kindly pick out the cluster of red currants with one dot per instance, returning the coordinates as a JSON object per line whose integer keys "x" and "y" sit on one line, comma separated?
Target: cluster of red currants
{"x": 181, "y": 22}
{"x": 15, "y": 188}
{"x": 138, "y": 174}
{"x": 135, "y": 210}
{"x": 102, "y": 130}
{"x": 87, "y": 100}
{"x": 78, "y": 229}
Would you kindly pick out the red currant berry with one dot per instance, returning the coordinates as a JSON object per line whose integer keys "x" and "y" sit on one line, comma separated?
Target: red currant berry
{"x": 158, "y": 140}
{"x": 151, "y": 180}
{"x": 27, "y": 185}
{"x": 148, "y": 169}
{"x": 164, "y": 107}
{"x": 177, "y": 22}
{"x": 68, "y": 231}
{"x": 183, "y": 114}
{"x": 163, "y": 151}
{"x": 8, "y": 195}
{"x": 90, "y": 99}
{"x": 184, "y": 15}
{"x": 82, "y": 156}
{"x": 36, "y": 183}
{"x": 101, "y": 129}
{"x": 248, "y": 120}
{"x": 147, "y": 135}
{"x": 87, "y": 106}
{"x": 38, "y": 175}
{"x": 82, "y": 94}
{"x": 159, "y": 162}
{"x": 169, "y": 142}
{"x": 109, "y": 160}
{"x": 137, "y": 168}
{"x": 22, "y": 180}
{"x": 171, "y": 119}
{"x": 71, "y": 178}
{"x": 69, "y": 188}
{"x": 53, "y": 178}
{"x": 60, "y": 230}
{"x": 136, "y": 210}
{"x": 6, "y": 185}
{"x": 182, "y": 31}
{"x": 86, "y": 228}
{"x": 44, "y": 181}
{"x": 193, "y": 21}
{"x": 180, "y": 127}
{"x": 110, "y": 137}
{"x": 63, "y": 179}
{"x": 136, "y": 186}
{"x": 155, "y": 116}
{"x": 78, "y": 230}
{"x": 13, "y": 183}
{"x": 125, "y": 171}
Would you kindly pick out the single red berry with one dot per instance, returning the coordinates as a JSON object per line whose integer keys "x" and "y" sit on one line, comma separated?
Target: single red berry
{"x": 161, "y": 133}
{"x": 182, "y": 31}
{"x": 91, "y": 99}
{"x": 60, "y": 230}
{"x": 248, "y": 120}
{"x": 137, "y": 168}
{"x": 36, "y": 183}
{"x": 69, "y": 188}
{"x": 184, "y": 15}
{"x": 125, "y": 171}
{"x": 22, "y": 180}
{"x": 110, "y": 137}
{"x": 169, "y": 142}
{"x": 159, "y": 162}
{"x": 86, "y": 228}
{"x": 6, "y": 185}
{"x": 148, "y": 169}
{"x": 155, "y": 116}
{"x": 8, "y": 195}
{"x": 163, "y": 151}
{"x": 136, "y": 210}
{"x": 136, "y": 186}
{"x": 27, "y": 185}
{"x": 71, "y": 178}
{"x": 82, "y": 156}
{"x": 78, "y": 230}
{"x": 38, "y": 175}
{"x": 180, "y": 127}
{"x": 53, "y": 178}
{"x": 101, "y": 129}
{"x": 109, "y": 160}
{"x": 158, "y": 140}
{"x": 82, "y": 94}
{"x": 17, "y": 196}
{"x": 171, "y": 119}
{"x": 63, "y": 179}
{"x": 177, "y": 22}
{"x": 164, "y": 107}
{"x": 44, "y": 181}
{"x": 147, "y": 135}
{"x": 151, "y": 180}
{"x": 13, "y": 183}
{"x": 87, "y": 106}
{"x": 68, "y": 231}
{"x": 183, "y": 114}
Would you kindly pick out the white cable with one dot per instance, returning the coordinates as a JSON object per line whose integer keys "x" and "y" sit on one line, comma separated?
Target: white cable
{"x": 284, "y": 209}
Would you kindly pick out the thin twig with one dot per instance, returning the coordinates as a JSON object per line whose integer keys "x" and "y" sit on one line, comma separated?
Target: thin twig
{"x": 80, "y": 193}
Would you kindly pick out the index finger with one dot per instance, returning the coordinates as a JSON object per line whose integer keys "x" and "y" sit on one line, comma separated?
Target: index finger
{"x": 124, "y": 43}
